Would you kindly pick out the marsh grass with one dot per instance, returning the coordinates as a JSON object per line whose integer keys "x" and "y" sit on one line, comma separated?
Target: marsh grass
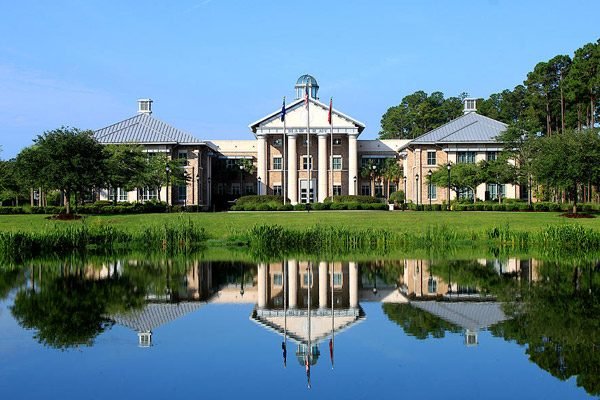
{"x": 171, "y": 238}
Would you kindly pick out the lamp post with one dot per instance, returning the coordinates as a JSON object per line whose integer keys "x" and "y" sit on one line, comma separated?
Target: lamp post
{"x": 199, "y": 190}
{"x": 186, "y": 177}
{"x": 405, "y": 181}
{"x": 208, "y": 193}
{"x": 258, "y": 188}
{"x": 355, "y": 187}
{"x": 417, "y": 197}
{"x": 374, "y": 168}
{"x": 241, "y": 178}
{"x": 167, "y": 171}
{"x": 449, "y": 167}
{"x": 429, "y": 190}
{"x": 498, "y": 189}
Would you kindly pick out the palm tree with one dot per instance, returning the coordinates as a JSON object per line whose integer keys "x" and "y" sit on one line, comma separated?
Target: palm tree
{"x": 392, "y": 172}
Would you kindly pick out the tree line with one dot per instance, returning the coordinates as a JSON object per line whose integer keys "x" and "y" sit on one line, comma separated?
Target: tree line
{"x": 74, "y": 163}
{"x": 559, "y": 94}
{"x": 551, "y": 145}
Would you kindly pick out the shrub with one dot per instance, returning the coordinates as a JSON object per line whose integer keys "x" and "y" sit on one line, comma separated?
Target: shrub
{"x": 338, "y": 206}
{"x": 259, "y": 199}
{"x": 540, "y": 206}
{"x": 478, "y": 206}
{"x": 438, "y": 207}
{"x": 262, "y": 207}
{"x": 523, "y": 207}
{"x": 12, "y": 210}
{"x": 103, "y": 203}
{"x": 397, "y": 197}
{"x": 302, "y": 207}
{"x": 354, "y": 199}
{"x": 554, "y": 207}
{"x": 285, "y": 207}
{"x": 321, "y": 206}
{"x": 497, "y": 207}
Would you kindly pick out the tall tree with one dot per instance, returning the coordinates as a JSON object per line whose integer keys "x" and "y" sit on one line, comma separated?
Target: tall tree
{"x": 125, "y": 166}
{"x": 419, "y": 113}
{"x": 66, "y": 159}
{"x": 568, "y": 161}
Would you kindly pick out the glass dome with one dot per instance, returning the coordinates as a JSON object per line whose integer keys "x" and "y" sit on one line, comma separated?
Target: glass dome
{"x": 303, "y": 82}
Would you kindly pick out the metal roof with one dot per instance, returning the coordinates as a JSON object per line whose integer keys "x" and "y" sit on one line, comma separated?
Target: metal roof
{"x": 153, "y": 315}
{"x": 468, "y": 128}
{"x": 144, "y": 129}
{"x": 468, "y": 315}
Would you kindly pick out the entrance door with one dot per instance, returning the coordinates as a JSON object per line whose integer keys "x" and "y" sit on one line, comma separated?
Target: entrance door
{"x": 304, "y": 190}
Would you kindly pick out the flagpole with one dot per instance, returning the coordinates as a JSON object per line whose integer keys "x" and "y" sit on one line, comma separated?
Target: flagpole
{"x": 332, "y": 318}
{"x": 284, "y": 312}
{"x": 308, "y": 163}
{"x": 331, "y": 147}
{"x": 309, "y": 352}
{"x": 284, "y": 161}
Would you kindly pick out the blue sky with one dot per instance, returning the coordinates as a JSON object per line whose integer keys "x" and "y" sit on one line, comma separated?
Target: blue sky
{"x": 214, "y": 66}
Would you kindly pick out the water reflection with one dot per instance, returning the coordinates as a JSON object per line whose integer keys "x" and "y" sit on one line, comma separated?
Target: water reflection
{"x": 548, "y": 307}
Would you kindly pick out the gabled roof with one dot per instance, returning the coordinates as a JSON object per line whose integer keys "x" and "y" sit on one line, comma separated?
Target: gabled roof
{"x": 467, "y": 315}
{"x": 468, "y": 128}
{"x": 153, "y": 315}
{"x": 298, "y": 103}
{"x": 144, "y": 129}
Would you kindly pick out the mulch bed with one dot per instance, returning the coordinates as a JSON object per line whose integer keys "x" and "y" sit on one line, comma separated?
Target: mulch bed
{"x": 578, "y": 215}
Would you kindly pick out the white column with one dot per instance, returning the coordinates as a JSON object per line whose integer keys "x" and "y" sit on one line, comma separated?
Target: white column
{"x": 261, "y": 167}
{"x": 323, "y": 284}
{"x": 323, "y": 181}
{"x": 293, "y": 283}
{"x": 262, "y": 285}
{"x": 352, "y": 163}
{"x": 292, "y": 178}
{"x": 353, "y": 289}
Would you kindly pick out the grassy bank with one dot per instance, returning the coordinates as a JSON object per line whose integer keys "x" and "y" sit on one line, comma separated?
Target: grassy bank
{"x": 221, "y": 226}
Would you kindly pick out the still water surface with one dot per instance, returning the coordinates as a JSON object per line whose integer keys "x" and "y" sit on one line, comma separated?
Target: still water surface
{"x": 468, "y": 329}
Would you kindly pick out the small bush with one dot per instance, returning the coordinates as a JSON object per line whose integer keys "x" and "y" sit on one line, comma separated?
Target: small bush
{"x": 397, "y": 197}
{"x": 285, "y": 207}
{"x": 259, "y": 199}
{"x": 354, "y": 199}
{"x": 338, "y": 206}
{"x": 302, "y": 207}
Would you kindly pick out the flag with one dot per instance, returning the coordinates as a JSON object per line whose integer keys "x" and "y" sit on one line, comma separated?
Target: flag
{"x": 330, "y": 108}
{"x": 283, "y": 111}
{"x": 306, "y": 96}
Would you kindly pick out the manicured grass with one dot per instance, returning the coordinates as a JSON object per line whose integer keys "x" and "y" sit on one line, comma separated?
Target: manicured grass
{"x": 222, "y": 225}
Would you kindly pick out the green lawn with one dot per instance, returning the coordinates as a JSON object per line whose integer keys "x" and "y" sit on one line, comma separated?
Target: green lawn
{"x": 221, "y": 225}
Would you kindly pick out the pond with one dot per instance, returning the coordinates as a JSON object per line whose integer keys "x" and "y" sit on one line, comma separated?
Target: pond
{"x": 158, "y": 327}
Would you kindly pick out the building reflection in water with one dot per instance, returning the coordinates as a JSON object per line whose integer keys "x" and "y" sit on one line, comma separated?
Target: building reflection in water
{"x": 309, "y": 303}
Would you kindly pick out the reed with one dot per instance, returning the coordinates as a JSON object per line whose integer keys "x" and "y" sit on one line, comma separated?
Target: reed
{"x": 182, "y": 236}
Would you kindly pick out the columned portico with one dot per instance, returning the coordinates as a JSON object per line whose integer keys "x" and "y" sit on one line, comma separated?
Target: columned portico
{"x": 292, "y": 178}
{"x": 323, "y": 168}
{"x": 261, "y": 167}
{"x": 352, "y": 163}
{"x": 293, "y": 118}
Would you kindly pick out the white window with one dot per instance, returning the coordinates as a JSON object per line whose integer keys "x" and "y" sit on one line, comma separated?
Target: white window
{"x": 278, "y": 280}
{"x": 337, "y": 190}
{"x": 337, "y": 279}
{"x": 231, "y": 163}
{"x": 305, "y": 278}
{"x": 249, "y": 188}
{"x": 149, "y": 194}
{"x": 277, "y": 190}
{"x": 304, "y": 190}
{"x": 378, "y": 190}
{"x": 235, "y": 189}
{"x": 432, "y": 191}
{"x": 277, "y": 163}
{"x": 365, "y": 190}
{"x": 491, "y": 155}
{"x": 465, "y": 157}
{"x": 431, "y": 159}
{"x": 182, "y": 193}
{"x": 337, "y": 163}
{"x": 122, "y": 194}
{"x": 305, "y": 161}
